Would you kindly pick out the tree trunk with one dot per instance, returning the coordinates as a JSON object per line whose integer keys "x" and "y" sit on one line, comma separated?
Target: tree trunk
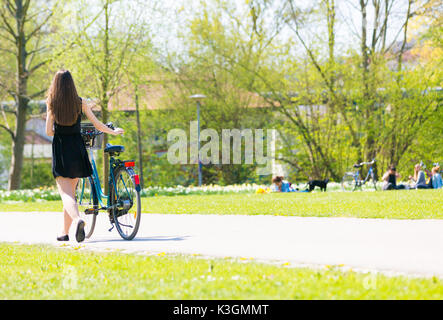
{"x": 17, "y": 151}
{"x": 364, "y": 49}
{"x": 367, "y": 103}
{"x": 330, "y": 17}
{"x": 21, "y": 101}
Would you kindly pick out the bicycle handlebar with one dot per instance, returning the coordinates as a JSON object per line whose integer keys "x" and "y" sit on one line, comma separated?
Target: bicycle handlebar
{"x": 94, "y": 132}
{"x": 110, "y": 125}
{"x": 368, "y": 163}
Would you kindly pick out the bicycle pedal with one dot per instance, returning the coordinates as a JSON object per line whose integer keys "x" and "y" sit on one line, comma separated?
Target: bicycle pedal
{"x": 89, "y": 211}
{"x": 111, "y": 228}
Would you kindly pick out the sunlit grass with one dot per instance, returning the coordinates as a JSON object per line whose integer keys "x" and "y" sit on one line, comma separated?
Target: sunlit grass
{"x": 43, "y": 272}
{"x": 405, "y": 204}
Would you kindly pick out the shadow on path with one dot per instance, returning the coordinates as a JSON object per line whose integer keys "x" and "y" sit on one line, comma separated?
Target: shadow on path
{"x": 142, "y": 239}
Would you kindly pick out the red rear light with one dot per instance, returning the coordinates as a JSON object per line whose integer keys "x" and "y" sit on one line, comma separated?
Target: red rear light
{"x": 129, "y": 164}
{"x": 136, "y": 179}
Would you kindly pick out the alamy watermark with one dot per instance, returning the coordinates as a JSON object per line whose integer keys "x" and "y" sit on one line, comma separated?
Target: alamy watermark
{"x": 70, "y": 278}
{"x": 209, "y": 151}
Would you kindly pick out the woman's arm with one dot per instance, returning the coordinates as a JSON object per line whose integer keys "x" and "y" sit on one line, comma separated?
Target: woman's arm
{"x": 97, "y": 123}
{"x": 49, "y": 123}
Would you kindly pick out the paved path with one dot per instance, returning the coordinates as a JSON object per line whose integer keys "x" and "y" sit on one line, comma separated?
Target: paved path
{"x": 405, "y": 246}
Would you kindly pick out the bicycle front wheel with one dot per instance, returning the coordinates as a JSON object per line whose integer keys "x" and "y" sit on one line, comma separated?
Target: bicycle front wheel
{"x": 87, "y": 201}
{"x": 374, "y": 181}
{"x": 125, "y": 204}
{"x": 348, "y": 183}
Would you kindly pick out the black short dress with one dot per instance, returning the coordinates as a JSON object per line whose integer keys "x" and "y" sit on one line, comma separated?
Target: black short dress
{"x": 69, "y": 156}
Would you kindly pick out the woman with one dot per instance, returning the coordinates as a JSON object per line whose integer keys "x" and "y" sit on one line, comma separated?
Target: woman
{"x": 419, "y": 178}
{"x": 437, "y": 181}
{"x": 70, "y": 160}
{"x": 280, "y": 185}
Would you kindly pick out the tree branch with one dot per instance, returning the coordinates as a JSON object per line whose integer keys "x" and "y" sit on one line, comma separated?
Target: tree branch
{"x": 9, "y": 91}
{"x": 8, "y": 131}
{"x": 7, "y": 51}
{"x": 326, "y": 80}
{"x": 8, "y": 27}
{"x": 4, "y": 117}
{"x": 39, "y": 65}
{"x": 402, "y": 49}
{"x": 34, "y": 95}
{"x": 9, "y": 6}
{"x": 6, "y": 38}
{"x": 37, "y": 29}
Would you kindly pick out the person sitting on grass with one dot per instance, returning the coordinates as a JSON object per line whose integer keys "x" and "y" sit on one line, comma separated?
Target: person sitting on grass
{"x": 420, "y": 178}
{"x": 281, "y": 185}
{"x": 437, "y": 181}
{"x": 390, "y": 179}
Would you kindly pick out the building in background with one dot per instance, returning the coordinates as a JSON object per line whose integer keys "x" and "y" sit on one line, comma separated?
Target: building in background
{"x": 37, "y": 143}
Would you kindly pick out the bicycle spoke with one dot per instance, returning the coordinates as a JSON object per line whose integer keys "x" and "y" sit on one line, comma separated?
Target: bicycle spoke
{"x": 125, "y": 200}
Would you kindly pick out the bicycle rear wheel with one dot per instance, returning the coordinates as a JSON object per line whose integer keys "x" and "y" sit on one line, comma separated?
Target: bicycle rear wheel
{"x": 125, "y": 204}
{"x": 348, "y": 183}
{"x": 87, "y": 201}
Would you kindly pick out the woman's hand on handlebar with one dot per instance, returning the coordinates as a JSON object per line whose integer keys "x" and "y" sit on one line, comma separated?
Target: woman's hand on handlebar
{"x": 105, "y": 128}
{"x": 118, "y": 131}
{"x": 115, "y": 131}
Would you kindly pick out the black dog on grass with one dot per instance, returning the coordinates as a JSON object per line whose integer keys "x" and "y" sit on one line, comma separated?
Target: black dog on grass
{"x": 322, "y": 184}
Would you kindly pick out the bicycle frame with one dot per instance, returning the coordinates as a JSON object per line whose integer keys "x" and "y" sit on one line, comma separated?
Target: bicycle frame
{"x": 370, "y": 171}
{"x": 359, "y": 182}
{"x": 95, "y": 181}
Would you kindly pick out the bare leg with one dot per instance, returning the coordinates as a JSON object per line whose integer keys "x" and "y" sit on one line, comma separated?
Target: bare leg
{"x": 67, "y": 222}
{"x": 66, "y": 188}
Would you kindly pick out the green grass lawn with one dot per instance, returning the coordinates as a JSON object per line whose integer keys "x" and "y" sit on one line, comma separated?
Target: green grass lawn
{"x": 44, "y": 272}
{"x": 404, "y": 204}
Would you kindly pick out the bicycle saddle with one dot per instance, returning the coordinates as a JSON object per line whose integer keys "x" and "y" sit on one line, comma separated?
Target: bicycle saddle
{"x": 111, "y": 149}
{"x": 358, "y": 165}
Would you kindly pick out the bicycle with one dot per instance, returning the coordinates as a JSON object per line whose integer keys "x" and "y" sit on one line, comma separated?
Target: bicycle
{"x": 351, "y": 180}
{"x": 123, "y": 202}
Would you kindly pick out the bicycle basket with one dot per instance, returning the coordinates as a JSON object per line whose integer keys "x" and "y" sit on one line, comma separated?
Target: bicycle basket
{"x": 91, "y": 136}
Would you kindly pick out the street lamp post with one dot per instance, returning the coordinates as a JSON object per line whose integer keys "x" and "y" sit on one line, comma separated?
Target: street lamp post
{"x": 197, "y": 98}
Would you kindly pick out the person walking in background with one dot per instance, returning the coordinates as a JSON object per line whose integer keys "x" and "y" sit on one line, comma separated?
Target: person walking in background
{"x": 390, "y": 179}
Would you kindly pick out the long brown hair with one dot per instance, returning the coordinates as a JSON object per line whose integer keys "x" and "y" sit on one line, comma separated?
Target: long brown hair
{"x": 63, "y": 100}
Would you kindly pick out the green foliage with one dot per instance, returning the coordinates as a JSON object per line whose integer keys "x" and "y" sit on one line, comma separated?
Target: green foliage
{"x": 37, "y": 175}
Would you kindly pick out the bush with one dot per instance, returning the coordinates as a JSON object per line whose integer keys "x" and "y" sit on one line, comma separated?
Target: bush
{"x": 39, "y": 175}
